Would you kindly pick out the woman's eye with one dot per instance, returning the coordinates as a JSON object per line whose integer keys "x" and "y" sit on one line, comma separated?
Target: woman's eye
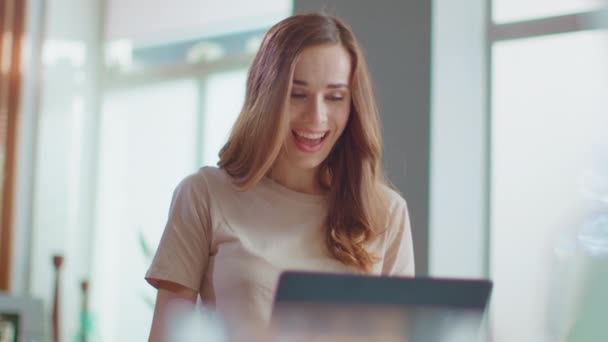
{"x": 298, "y": 95}
{"x": 335, "y": 98}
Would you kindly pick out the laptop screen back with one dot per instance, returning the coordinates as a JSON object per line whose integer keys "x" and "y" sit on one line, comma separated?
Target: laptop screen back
{"x": 362, "y": 308}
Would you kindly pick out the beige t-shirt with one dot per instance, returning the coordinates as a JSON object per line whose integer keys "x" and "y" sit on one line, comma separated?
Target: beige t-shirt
{"x": 232, "y": 245}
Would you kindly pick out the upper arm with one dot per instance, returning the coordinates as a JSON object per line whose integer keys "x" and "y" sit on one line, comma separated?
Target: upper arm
{"x": 168, "y": 293}
{"x": 182, "y": 255}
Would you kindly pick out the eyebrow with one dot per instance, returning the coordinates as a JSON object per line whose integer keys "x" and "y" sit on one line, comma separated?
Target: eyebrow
{"x": 331, "y": 85}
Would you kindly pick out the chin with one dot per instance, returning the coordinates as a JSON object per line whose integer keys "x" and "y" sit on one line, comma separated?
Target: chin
{"x": 308, "y": 163}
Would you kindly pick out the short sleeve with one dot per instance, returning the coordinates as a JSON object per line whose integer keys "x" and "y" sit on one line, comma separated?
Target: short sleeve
{"x": 399, "y": 253}
{"x": 183, "y": 252}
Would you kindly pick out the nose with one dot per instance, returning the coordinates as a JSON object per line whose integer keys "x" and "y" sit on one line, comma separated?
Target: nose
{"x": 318, "y": 111}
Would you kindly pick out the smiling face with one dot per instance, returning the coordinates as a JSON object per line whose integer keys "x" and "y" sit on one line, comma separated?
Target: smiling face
{"x": 318, "y": 107}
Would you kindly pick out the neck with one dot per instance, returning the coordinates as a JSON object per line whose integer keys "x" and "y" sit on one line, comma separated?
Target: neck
{"x": 296, "y": 179}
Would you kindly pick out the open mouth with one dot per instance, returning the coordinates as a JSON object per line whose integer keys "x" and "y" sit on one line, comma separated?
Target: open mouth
{"x": 309, "y": 141}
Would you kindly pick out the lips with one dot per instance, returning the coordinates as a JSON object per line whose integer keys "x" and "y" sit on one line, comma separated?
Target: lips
{"x": 308, "y": 141}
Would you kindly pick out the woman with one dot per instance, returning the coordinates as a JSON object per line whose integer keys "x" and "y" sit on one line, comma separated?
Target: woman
{"x": 299, "y": 184}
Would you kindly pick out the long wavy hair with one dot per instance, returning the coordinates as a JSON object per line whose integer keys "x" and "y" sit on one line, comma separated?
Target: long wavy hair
{"x": 352, "y": 173}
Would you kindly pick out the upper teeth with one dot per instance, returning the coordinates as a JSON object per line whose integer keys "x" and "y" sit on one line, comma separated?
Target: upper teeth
{"x": 310, "y": 135}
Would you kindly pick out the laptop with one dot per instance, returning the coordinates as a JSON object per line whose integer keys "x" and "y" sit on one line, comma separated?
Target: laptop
{"x": 348, "y": 307}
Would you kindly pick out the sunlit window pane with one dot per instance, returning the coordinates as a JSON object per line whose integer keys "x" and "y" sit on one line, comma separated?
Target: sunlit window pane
{"x": 549, "y": 109}
{"x": 148, "y": 144}
{"x": 224, "y": 96}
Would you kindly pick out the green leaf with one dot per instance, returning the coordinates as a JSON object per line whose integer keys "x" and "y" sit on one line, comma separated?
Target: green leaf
{"x": 148, "y": 301}
{"x": 145, "y": 248}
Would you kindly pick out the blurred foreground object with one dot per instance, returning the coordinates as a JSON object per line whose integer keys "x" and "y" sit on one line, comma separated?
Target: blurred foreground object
{"x": 57, "y": 263}
{"x": 592, "y": 241}
{"x": 21, "y": 319}
{"x": 349, "y": 307}
{"x": 185, "y": 323}
{"x": 579, "y": 296}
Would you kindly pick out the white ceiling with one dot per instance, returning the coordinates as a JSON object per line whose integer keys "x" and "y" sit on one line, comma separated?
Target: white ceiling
{"x": 156, "y": 21}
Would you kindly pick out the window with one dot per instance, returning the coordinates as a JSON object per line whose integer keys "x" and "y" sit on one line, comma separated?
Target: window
{"x": 148, "y": 143}
{"x": 225, "y": 93}
{"x": 518, "y": 10}
{"x": 152, "y": 135}
{"x": 548, "y": 109}
{"x": 172, "y": 95}
{"x": 548, "y": 105}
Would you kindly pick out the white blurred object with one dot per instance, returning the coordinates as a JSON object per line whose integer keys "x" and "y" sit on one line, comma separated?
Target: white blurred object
{"x": 187, "y": 323}
{"x": 119, "y": 54}
{"x": 579, "y": 292}
{"x": 205, "y": 52}
{"x": 589, "y": 321}
{"x": 57, "y": 50}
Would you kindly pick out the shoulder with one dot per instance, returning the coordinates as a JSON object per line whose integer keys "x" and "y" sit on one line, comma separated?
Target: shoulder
{"x": 395, "y": 202}
{"x": 194, "y": 189}
{"x": 205, "y": 178}
{"x": 396, "y": 213}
